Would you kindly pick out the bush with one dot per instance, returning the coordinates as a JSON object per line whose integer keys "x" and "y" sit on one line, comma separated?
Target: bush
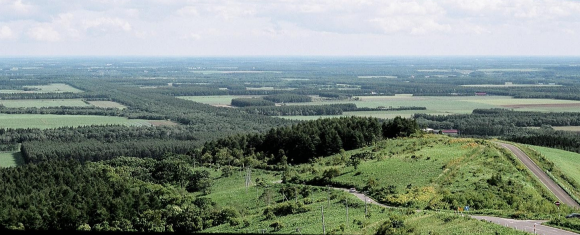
{"x": 277, "y": 225}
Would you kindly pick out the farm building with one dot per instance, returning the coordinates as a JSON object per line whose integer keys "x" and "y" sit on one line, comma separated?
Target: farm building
{"x": 450, "y": 132}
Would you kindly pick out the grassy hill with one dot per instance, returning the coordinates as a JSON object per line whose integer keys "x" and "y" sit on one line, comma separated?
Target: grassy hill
{"x": 297, "y": 210}
{"x": 435, "y": 172}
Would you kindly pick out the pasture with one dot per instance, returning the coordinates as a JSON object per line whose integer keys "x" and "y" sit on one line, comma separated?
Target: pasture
{"x": 107, "y": 104}
{"x": 568, "y": 162}
{"x": 511, "y": 85}
{"x": 45, "y": 121}
{"x": 215, "y": 100}
{"x": 9, "y": 159}
{"x": 39, "y": 103}
{"x": 51, "y": 88}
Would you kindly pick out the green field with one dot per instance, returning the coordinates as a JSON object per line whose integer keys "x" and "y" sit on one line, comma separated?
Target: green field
{"x": 44, "y": 121}
{"x": 437, "y": 105}
{"x": 215, "y": 100}
{"x": 107, "y": 104}
{"x": 231, "y": 192}
{"x": 38, "y": 103}
{"x": 511, "y": 85}
{"x": 52, "y": 88}
{"x": 9, "y": 159}
{"x": 568, "y": 162}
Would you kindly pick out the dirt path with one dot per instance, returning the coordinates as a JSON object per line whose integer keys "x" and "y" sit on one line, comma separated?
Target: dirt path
{"x": 542, "y": 176}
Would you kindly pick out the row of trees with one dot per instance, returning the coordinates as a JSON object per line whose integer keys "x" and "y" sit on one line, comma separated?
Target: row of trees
{"x": 303, "y": 142}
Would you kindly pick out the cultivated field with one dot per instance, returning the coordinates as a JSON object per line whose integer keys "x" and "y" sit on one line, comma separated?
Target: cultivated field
{"x": 9, "y": 159}
{"x": 437, "y": 105}
{"x": 511, "y": 85}
{"x": 230, "y": 72}
{"x": 44, "y": 121}
{"x": 568, "y": 162}
{"x": 377, "y": 76}
{"x": 38, "y": 103}
{"x": 52, "y": 88}
{"x": 107, "y": 104}
{"x": 215, "y": 100}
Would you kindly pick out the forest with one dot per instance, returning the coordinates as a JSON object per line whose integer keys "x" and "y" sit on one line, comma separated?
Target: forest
{"x": 160, "y": 178}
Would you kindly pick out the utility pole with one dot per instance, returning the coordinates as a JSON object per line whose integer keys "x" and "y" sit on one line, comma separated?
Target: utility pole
{"x": 322, "y": 212}
{"x": 346, "y": 202}
{"x": 365, "y": 206}
{"x": 328, "y": 190}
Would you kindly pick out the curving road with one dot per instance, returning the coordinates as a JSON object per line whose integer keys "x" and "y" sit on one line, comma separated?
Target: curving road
{"x": 562, "y": 196}
{"x": 531, "y": 226}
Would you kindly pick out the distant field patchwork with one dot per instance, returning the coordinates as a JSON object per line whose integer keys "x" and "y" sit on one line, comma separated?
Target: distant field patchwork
{"x": 44, "y": 121}
{"x": 52, "y": 88}
{"x": 438, "y": 105}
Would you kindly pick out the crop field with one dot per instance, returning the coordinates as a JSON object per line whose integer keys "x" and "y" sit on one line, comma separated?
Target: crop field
{"x": 562, "y": 128}
{"x": 107, "y": 104}
{"x": 52, "y": 88}
{"x": 44, "y": 121}
{"x": 568, "y": 162}
{"x": 377, "y": 76}
{"x": 215, "y": 100}
{"x": 230, "y": 72}
{"x": 511, "y": 70}
{"x": 38, "y": 103}
{"x": 511, "y": 85}
{"x": 9, "y": 159}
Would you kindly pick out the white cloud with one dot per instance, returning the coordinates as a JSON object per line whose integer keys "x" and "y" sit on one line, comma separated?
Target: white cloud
{"x": 47, "y": 34}
{"x": 6, "y": 33}
{"x": 106, "y": 25}
{"x": 188, "y": 11}
{"x": 191, "y": 36}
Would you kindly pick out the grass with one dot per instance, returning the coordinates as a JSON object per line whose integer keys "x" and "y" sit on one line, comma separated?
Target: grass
{"x": 567, "y": 162}
{"x": 214, "y": 100}
{"x": 44, "y": 121}
{"x": 107, "y": 104}
{"x": 512, "y": 85}
{"x": 231, "y": 192}
{"x": 38, "y": 103}
{"x": 52, "y": 88}
{"x": 10, "y": 159}
{"x": 421, "y": 171}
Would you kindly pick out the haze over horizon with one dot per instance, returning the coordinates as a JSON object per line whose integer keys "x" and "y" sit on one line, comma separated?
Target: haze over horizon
{"x": 289, "y": 27}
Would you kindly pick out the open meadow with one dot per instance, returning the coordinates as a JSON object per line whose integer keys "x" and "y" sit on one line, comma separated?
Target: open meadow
{"x": 52, "y": 88}
{"x": 10, "y": 159}
{"x": 45, "y": 121}
{"x": 39, "y": 103}
{"x": 107, "y": 104}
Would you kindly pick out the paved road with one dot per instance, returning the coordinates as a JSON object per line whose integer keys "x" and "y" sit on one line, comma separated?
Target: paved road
{"x": 526, "y": 225}
{"x": 544, "y": 178}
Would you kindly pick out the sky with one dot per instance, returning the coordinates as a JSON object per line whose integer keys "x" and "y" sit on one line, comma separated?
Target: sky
{"x": 289, "y": 27}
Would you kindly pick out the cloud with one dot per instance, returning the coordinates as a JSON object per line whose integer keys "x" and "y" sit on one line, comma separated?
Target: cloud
{"x": 106, "y": 25}
{"x": 47, "y": 34}
{"x": 6, "y": 33}
{"x": 191, "y": 36}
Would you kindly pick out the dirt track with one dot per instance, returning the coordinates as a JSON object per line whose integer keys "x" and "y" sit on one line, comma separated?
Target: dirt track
{"x": 542, "y": 176}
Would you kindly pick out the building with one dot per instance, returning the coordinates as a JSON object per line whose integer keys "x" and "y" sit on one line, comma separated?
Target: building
{"x": 480, "y": 93}
{"x": 450, "y": 132}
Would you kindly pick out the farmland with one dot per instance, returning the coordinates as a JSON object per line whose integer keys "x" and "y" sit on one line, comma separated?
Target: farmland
{"x": 107, "y": 104}
{"x": 9, "y": 159}
{"x": 44, "y": 121}
{"x": 52, "y": 88}
{"x": 439, "y": 105}
{"x": 38, "y": 103}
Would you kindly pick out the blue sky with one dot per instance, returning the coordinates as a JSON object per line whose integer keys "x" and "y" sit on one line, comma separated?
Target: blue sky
{"x": 289, "y": 27}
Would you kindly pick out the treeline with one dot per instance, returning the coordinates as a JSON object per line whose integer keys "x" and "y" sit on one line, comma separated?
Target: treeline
{"x": 67, "y": 195}
{"x": 288, "y": 98}
{"x": 303, "y": 142}
{"x": 246, "y": 102}
{"x": 496, "y": 122}
{"x": 65, "y": 110}
{"x": 94, "y": 150}
{"x": 301, "y": 110}
{"x": 547, "y": 137}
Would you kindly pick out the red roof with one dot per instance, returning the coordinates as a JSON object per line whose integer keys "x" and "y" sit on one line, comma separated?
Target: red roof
{"x": 450, "y": 131}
